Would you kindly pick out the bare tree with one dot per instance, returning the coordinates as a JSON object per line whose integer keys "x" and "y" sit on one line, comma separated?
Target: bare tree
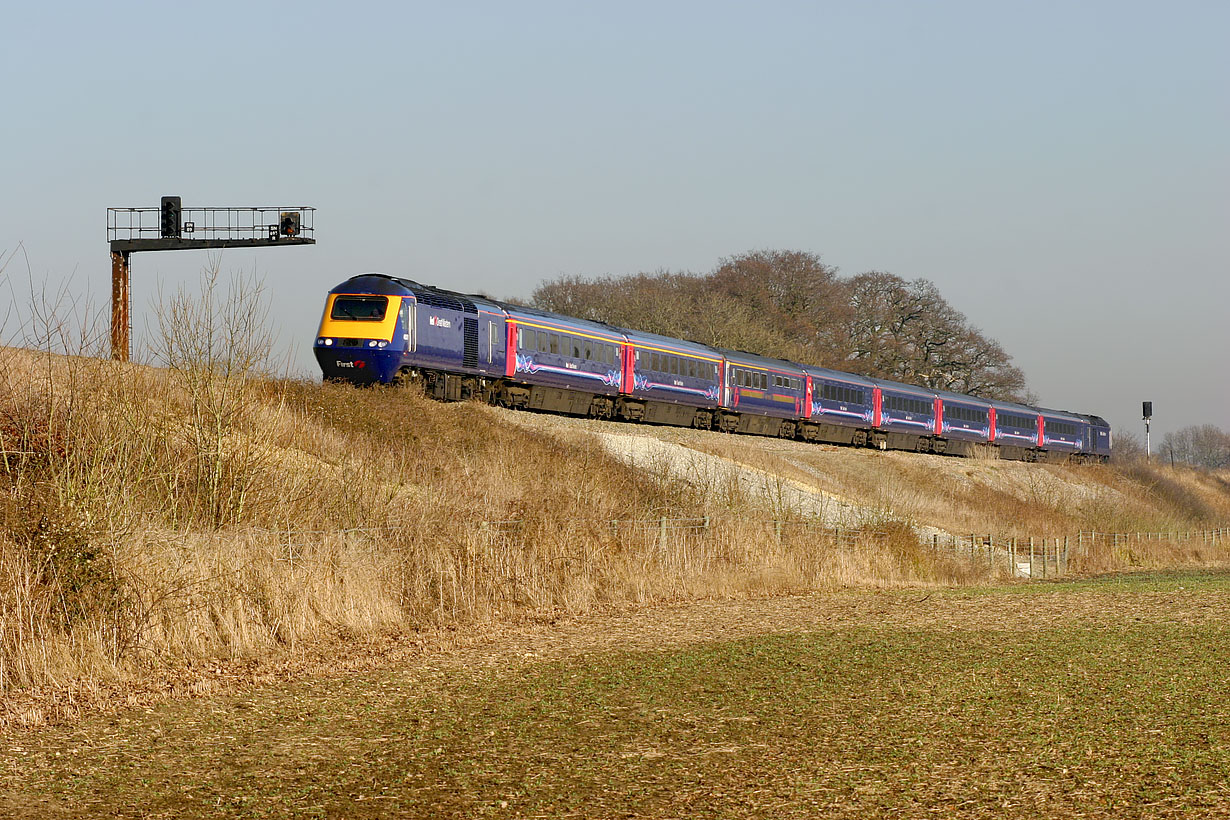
{"x": 1203, "y": 445}
{"x": 216, "y": 344}
{"x": 905, "y": 330}
{"x": 790, "y": 305}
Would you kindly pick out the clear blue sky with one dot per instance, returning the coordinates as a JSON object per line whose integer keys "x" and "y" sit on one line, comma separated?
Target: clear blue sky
{"x": 1060, "y": 169}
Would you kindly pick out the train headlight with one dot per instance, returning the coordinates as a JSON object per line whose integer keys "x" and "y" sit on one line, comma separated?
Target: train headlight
{"x": 328, "y": 342}
{"x": 382, "y": 344}
{"x": 372, "y": 343}
{"x": 320, "y": 341}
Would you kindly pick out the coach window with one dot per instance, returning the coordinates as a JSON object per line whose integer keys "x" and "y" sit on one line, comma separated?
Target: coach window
{"x": 553, "y": 342}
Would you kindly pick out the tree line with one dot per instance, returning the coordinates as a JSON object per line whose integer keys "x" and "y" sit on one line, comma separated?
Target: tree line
{"x": 790, "y": 305}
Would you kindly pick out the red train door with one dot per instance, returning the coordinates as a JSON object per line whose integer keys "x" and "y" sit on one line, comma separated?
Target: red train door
{"x": 939, "y": 416}
{"x": 991, "y": 424}
{"x": 877, "y": 400}
{"x": 510, "y": 360}
{"x": 807, "y": 400}
{"x": 628, "y": 374}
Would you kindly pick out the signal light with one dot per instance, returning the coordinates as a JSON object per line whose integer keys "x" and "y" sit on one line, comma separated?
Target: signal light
{"x": 171, "y": 211}
{"x": 288, "y": 225}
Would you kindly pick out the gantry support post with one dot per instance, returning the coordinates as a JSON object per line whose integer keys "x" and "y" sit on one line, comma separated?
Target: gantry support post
{"x": 121, "y": 301}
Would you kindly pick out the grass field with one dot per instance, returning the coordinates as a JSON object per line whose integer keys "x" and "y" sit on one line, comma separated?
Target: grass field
{"x": 1102, "y": 698}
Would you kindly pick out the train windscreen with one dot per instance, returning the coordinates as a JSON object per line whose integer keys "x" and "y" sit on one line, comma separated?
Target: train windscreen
{"x": 359, "y": 308}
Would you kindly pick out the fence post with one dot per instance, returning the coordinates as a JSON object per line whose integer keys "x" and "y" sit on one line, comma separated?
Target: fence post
{"x": 777, "y": 530}
{"x": 706, "y": 523}
{"x": 662, "y": 533}
{"x": 1012, "y": 557}
{"x": 1031, "y": 558}
{"x": 1065, "y": 555}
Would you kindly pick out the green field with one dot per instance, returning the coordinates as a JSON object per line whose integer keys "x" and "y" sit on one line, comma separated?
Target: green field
{"x": 1102, "y": 698}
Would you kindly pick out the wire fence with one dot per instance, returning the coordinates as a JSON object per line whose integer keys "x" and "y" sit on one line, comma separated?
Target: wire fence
{"x": 1024, "y": 557}
{"x": 1031, "y": 557}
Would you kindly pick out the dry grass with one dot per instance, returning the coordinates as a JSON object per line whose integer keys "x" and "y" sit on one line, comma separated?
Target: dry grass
{"x": 152, "y": 519}
{"x": 1003, "y": 498}
{"x": 148, "y": 522}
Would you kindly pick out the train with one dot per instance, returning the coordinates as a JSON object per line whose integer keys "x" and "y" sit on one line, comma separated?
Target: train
{"x": 382, "y": 329}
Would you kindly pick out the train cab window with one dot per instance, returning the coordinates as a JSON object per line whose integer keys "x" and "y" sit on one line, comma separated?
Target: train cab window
{"x": 359, "y": 308}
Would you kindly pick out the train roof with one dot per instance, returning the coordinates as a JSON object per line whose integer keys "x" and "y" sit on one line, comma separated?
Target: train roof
{"x": 644, "y": 338}
{"x": 1060, "y": 413}
{"x": 745, "y": 358}
{"x": 564, "y": 322}
{"x": 836, "y": 375}
{"x": 952, "y": 395}
{"x": 385, "y": 284}
{"x": 902, "y": 387}
{"x": 1012, "y": 406}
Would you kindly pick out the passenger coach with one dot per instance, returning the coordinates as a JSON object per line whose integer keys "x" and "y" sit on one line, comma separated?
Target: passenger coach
{"x": 380, "y": 329}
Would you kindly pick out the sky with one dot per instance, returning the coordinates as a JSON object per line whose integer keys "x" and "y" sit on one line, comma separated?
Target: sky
{"x": 1061, "y": 170}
